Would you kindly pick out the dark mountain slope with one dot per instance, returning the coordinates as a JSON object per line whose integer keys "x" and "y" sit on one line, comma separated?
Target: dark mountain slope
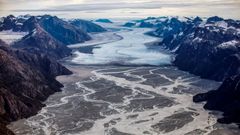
{"x": 26, "y": 80}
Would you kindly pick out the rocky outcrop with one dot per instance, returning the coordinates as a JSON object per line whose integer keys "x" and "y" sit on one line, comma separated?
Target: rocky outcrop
{"x": 87, "y": 26}
{"x": 26, "y": 79}
{"x": 225, "y": 99}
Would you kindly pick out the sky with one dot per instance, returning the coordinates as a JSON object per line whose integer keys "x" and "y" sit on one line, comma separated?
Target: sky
{"x": 122, "y": 8}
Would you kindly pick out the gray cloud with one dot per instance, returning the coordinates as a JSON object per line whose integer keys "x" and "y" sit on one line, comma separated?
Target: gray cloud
{"x": 226, "y": 8}
{"x": 139, "y": 5}
{"x": 109, "y": 6}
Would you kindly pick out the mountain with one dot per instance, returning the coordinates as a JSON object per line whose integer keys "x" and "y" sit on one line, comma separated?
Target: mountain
{"x": 41, "y": 41}
{"x": 61, "y": 30}
{"x": 48, "y": 34}
{"x": 26, "y": 79}
{"x": 11, "y": 23}
{"x": 208, "y": 48}
{"x": 87, "y": 26}
{"x": 103, "y": 21}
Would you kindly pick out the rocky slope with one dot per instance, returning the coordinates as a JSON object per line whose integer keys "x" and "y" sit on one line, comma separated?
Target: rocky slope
{"x": 63, "y": 31}
{"x": 26, "y": 79}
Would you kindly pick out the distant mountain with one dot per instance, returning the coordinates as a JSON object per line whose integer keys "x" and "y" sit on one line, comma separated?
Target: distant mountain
{"x": 225, "y": 99}
{"x": 87, "y": 26}
{"x": 63, "y": 31}
{"x": 103, "y": 21}
{"x": 26, "y": 79}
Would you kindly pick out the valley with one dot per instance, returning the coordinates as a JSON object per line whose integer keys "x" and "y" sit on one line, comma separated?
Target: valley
{"x": 125, "y": 86}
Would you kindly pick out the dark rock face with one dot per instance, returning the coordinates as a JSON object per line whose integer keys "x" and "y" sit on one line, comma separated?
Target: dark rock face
{"x": 26, "y": 80}
{"x": 87, "y": 26}
{"x": 225, "y": 99}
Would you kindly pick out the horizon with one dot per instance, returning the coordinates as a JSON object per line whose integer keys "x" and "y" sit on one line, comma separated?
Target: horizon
{"x": 90, "y": 9}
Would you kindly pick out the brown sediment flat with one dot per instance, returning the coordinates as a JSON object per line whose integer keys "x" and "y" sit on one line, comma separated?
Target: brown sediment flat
{"x": 79, "y": 73}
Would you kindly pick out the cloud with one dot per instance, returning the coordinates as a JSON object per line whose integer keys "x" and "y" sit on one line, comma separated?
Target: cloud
{"x": 86, "y": 5}
{"x": 110, "y": 5}
{"x": 2, "y": 5}
{"x": 140, "y": 8}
